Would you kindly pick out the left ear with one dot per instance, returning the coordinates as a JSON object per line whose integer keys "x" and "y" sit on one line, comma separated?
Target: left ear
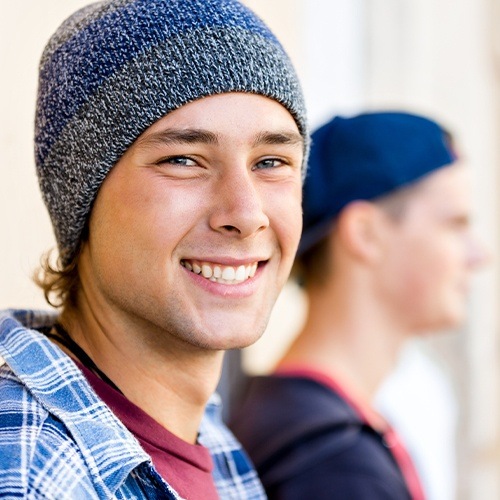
{"x": 362, "y": 230}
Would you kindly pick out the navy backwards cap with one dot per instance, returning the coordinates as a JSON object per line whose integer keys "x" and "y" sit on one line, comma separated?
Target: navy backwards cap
{"x": 115, "y": 67}
{"x": 364, "y": 157}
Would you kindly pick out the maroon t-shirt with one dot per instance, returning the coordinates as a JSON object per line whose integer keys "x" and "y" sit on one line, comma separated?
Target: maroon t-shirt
{"x": 186, "y": 467}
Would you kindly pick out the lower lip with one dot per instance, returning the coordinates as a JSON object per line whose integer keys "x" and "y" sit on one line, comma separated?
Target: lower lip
{"x": 240, "y": 290}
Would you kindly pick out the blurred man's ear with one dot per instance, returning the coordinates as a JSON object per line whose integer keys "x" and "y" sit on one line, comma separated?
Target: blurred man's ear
{"x": 361, "y": 231}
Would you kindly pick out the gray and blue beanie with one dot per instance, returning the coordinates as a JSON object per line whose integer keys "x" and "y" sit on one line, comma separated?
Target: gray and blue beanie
{"x": 117, "y": 66}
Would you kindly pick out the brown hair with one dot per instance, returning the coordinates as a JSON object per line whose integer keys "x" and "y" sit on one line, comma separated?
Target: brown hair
{"x": 59, "y": 282}
{"x": 312, "y": 267}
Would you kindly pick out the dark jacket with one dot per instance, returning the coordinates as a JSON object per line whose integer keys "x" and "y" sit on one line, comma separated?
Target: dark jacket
{"x": 308, "y": 443}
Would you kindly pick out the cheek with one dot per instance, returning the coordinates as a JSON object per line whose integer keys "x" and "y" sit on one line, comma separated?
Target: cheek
{"x": 135, "y": 240}
{"x": 407, "y": 271}
{"x": 284, "y": 209}
{"x": 436, "y": 295}
{"x": 432, "y": 267}
{"x": 147, "y": 216}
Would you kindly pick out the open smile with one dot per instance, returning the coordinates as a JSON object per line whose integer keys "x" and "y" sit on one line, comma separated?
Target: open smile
{"x": 227, "y": 275}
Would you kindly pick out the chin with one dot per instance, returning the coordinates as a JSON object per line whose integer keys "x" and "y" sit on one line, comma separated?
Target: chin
{"x": 225, "y": 341}
{"x": 239, "y": 342}
{"x": 455, "y": 322}
{"x": 227, "y": 331}
{"x": 452, "y": 320}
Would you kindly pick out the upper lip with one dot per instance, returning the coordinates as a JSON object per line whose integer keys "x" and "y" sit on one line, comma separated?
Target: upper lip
{"x": 227, "y": 261}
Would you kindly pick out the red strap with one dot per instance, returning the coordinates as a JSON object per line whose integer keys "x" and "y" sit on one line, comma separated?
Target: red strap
{"x": 370, "y": 417}
{"x": 405, "y": 463}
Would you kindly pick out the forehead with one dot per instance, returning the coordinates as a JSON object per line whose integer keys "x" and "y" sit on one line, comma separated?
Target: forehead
{"x": 453, "y": 178}
{"x": 447, "y": 189}
{"x": 231, "y": 114}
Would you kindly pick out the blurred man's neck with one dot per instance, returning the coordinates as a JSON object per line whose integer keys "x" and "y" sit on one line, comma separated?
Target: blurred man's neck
{"x": 349, "y": 339}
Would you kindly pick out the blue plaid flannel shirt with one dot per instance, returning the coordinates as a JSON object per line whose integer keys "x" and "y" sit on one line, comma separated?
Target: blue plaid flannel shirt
{"x": 58, "y": 440}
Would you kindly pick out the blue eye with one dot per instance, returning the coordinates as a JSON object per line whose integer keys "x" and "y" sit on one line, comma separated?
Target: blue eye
{"x": 269, "y": 163}
{"x": 182, "y": 161}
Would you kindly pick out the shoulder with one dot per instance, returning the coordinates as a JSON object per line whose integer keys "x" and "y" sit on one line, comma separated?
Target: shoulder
{"x": 322, "y": 484}
{"x": 275, "y": 391}
{"x": 346, "y": 461}
{"x": 303, "y": 438}
{"x": 278, "y": 410}
{"x": 37, "y": 454}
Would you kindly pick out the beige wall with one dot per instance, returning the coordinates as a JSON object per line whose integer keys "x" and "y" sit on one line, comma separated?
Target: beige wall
{"x": 435, "y": 56}
{"x": 24, "y": 225}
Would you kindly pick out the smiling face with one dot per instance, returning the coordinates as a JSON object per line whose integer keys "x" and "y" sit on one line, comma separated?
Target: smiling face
{"x": 194, "y": 231}
{"x": 431, "y": 253}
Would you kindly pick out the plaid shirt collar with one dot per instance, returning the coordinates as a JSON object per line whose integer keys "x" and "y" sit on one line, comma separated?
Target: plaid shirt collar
{"x": 60, "y": 387}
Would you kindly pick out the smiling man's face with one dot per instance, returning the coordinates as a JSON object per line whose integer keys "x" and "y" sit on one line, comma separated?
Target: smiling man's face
{"x": 194, "y": 231}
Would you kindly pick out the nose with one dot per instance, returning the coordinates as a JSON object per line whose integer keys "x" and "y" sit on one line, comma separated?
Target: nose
{"x": 238, "y": 205}
{"x": 479, "y": 255}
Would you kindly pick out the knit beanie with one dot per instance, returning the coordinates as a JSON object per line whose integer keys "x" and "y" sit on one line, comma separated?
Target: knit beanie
{"x": 117, "y": 66}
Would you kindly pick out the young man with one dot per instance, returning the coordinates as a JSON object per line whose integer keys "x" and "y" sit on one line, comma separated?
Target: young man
{"x": 170, "y": 143}
{"x": 386, "y": 253}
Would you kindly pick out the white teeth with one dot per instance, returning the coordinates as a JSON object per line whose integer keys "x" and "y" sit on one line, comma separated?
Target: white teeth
{"x": 253, "y": 270}
{"x": 227, "y": 275}
{"x": 241, "y": 273}
{"x": 206, "y": 270}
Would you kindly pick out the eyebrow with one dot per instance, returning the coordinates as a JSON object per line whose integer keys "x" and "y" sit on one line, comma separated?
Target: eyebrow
{"x": 201, "y": 136}
{"x": 179, "y": 136}
{"x": 284, "y": 137}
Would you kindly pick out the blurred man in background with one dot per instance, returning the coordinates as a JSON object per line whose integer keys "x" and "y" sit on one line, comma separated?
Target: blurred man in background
{"x": 386, "y": 254}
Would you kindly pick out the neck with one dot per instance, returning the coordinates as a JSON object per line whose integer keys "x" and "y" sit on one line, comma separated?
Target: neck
{"x": 172, "y": 384}
{"x": 349, "y": 338}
